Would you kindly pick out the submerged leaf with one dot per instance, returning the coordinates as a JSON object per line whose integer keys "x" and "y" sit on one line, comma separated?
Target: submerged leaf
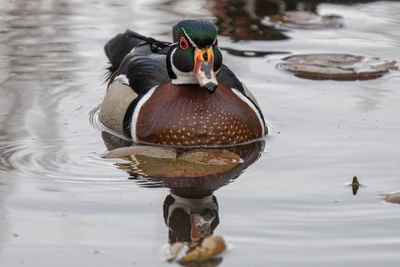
{"x": 195, "y": 163}
{"x": 223, "y": 158}
{"x": 151, "y": 151}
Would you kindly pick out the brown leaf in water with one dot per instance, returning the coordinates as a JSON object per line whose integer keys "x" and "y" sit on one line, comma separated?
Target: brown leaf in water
{"x": 336, "y": 66}
{"x": 210, "y": 247}
{"x": 174, "y": 250}
{"x": 393, "y": 198}
{"x": 150, "y": 151}
{"x": 355, "y": 185}
{"x": 211, "y": 157}
{"x": 195, "y": 163}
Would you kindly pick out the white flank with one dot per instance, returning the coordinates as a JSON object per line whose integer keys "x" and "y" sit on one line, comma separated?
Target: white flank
{"x": 252, "y": 106}
{"x": 137, "y": 110}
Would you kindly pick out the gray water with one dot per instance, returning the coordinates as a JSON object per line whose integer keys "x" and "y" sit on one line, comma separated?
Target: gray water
{"x": 62, "y": 204}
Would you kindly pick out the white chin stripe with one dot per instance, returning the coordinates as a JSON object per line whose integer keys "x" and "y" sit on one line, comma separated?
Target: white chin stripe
{"x": 253, "y": 107}
{"x": 137, "y": 110}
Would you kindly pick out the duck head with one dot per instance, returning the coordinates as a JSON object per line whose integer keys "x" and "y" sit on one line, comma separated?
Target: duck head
{"x": 195, "y": 57}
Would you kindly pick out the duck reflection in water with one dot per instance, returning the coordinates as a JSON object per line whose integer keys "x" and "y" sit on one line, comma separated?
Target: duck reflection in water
{"x": 246, "y": 19}
{"x": 240, "y": 19}
{"x": 190, "y": 210}
{"x": 190, "y": 219}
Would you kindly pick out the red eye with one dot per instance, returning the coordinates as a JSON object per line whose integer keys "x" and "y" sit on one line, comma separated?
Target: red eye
{"x": 183, "y": 44}
{"x": 216, "y": 43}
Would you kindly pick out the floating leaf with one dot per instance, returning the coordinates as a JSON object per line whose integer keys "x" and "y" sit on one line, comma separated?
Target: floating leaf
{"x": 355, "y": 185}
{"x": 174, "y": 250}
{"x": 206, "y": 169}
{"x": 307, "y": 20}
{"x": 336, "y": 66}
{"x": 151, "y": 151}
{"x": 355, "y": 181}
{"x": 195, "y": 163}
{"x": 210, "y": 247}
{"x": 393, "y": 198}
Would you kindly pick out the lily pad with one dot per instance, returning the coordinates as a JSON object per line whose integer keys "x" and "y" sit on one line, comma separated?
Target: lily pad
{"x": 336, "y": 66}
{"x": 306, "y": 20}
{"x": 210, "y": 247}
{"x": 195, "y": 163}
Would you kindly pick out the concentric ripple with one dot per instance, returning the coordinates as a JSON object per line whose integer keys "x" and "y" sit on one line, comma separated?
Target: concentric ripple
{"x": 31, "y": 159}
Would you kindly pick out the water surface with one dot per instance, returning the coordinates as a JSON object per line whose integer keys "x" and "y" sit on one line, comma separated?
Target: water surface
{"x": 62, "y": 204}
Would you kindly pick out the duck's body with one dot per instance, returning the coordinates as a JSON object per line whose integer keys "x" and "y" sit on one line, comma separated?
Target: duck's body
{"x": 162, "y": 93}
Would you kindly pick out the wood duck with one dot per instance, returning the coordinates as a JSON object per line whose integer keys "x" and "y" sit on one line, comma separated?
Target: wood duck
{"x": 177, "y": 94}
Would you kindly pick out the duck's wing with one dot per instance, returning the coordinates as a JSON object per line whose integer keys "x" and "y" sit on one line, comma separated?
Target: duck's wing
{"x": 122, "y": 44}
{"x": 137, "y": 65}
{"x": 119, "y": 46}
{"x": 226, "y": 77}
{"x": 144, "y": 68}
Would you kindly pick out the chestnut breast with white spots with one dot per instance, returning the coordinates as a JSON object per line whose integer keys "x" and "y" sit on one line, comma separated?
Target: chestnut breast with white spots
{"x": 187, "y": 115}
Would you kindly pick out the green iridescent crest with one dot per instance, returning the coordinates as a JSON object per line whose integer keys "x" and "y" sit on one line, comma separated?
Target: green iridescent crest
{"x": 201, "y": 32}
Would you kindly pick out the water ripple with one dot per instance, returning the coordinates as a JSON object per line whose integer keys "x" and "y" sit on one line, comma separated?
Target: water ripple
{"x": 31, "y": 159}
